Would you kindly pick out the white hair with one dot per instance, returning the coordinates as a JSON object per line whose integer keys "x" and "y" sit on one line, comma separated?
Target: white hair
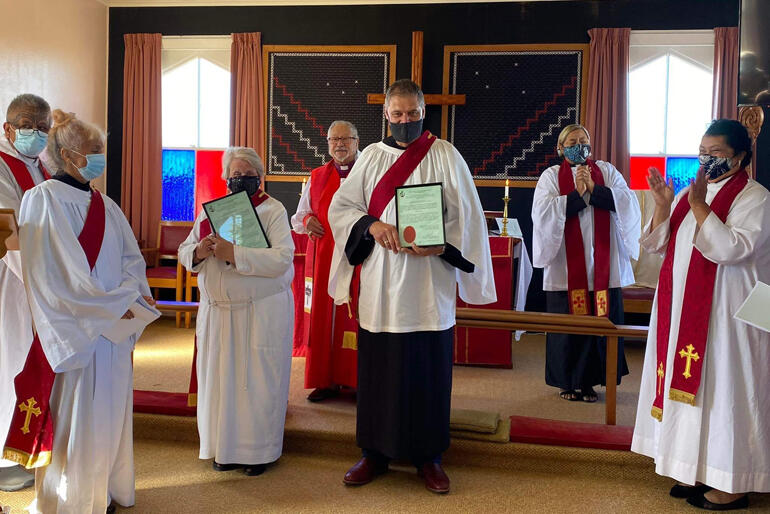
{"x": 245, "y": 154}
{"x": 350, "y": 126}
{"x": 70, "y": 133}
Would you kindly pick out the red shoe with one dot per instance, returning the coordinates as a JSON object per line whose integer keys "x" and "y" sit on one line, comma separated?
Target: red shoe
{"x": 436, "y": 480}
{"x": 364, "y": 471}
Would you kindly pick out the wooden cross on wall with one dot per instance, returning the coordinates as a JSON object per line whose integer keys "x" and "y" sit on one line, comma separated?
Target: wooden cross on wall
{"x": 379, "y": 98}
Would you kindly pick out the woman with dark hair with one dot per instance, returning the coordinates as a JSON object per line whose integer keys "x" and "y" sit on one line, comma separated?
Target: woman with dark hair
{"x": 704, "y": 403}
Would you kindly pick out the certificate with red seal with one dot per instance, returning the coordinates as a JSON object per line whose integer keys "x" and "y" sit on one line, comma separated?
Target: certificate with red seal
{"x": 420, "y": 215}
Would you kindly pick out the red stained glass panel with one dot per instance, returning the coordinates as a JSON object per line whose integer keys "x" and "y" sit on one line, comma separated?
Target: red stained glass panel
{"x": 208, "y": 177}
{"x": 639, "y": 166}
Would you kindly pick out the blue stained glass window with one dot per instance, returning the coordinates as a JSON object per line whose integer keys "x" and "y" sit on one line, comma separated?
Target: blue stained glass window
{"x": 178, "y": 185}
{"x": 681, "y": 170}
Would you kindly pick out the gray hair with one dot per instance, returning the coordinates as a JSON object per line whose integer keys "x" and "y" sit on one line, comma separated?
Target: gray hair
{"x": 70, "y": 133}
{"x": 404, "y": 87}
{"x": 350, "y": 126}
{"x": 243, "y": 153}
{"x": 566, "y": 131}
{"x": 27, "y": 101}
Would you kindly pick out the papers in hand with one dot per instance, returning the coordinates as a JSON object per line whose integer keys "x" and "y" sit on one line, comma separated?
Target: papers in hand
{"x": 144, "y": 314}
{"x": 754, "y": 309}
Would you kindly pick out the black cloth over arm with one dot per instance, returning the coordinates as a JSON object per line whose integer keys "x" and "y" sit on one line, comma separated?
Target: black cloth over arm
{"x": 602, "y": 198}
{"x": 575, "y": 203}
{"x": 360, "y": 242}
{"x": 455, "y": 258}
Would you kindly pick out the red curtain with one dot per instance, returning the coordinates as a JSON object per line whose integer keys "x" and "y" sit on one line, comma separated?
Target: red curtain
{"x": 247, "y": 111}
{"x": 607, "y": 101}
{"x": 726, "y": 43}
{"x": 142, "y": 181}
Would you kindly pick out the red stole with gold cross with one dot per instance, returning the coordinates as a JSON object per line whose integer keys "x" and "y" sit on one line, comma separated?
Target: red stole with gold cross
{"x": 30, "y": 436}
{"x": 696, "y": 305}
{"x": 331, "y": 332}
{"x": 577, "y": 277}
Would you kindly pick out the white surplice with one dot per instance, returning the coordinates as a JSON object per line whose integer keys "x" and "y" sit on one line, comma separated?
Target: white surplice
{"x": 723, "y": 440}
{"x": 549, "y": 214}
{"x": 303, "y": 209}
{"x": 244, "y": 330}
{"x": 15, "y": 319}
{"x": 91, "y": 401}
{"x": 413, "y": 293}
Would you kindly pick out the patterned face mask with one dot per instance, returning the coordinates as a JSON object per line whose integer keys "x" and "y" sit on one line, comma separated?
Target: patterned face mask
{"x": 578, "y": 153}
{"x": 714, "y": 166}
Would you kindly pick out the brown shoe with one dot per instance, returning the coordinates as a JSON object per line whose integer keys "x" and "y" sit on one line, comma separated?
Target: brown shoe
{"x": 364, "y": 471}
{"x": 436, "y": 480}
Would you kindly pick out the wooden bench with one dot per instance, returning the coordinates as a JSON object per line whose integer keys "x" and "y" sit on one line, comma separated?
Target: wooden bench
{"x": 637, "y": 299}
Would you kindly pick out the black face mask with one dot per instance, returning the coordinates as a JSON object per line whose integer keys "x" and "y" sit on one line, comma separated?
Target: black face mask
{"x": 406, "y": 132}
{"x": 250, "y": 184}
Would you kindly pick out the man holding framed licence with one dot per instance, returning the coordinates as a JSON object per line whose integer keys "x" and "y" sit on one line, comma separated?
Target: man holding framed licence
{"x": 410, "y": 215}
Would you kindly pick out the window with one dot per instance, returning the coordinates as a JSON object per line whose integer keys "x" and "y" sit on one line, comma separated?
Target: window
{"x": 196, "y": 122}
{"x": 669, "y": 101}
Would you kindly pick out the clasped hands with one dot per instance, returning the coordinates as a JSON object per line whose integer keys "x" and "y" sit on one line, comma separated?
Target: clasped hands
{"x": 214, "y": 245}
{"x": 583, "y": 180}
{"x": 386, "y": 235}
{"x": 314, "y": 228}
{"x": 663, "y": 190}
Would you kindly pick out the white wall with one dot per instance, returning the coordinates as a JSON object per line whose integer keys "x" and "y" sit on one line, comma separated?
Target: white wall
{"x": 56, "y": 49}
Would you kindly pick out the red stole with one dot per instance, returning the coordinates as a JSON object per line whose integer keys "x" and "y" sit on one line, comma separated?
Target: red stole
{"x": 327, "y": 364}
{"x": 21, "y": 173}
{"x": 30, "y": 436}
{"x": 696, "y": 305}
{"x": 577, "y": 277}
{"x": 204, "y": 229}
{"x": 256, "y": 200}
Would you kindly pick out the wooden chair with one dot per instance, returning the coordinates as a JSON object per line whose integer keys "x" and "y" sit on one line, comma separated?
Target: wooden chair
{"x": 159, "y": 276}
{"x": 190, "y": 281}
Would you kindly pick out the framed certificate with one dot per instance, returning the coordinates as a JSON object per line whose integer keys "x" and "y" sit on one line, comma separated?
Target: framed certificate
{"x": 420, "y": 215}
{"x": 233, "y": 218}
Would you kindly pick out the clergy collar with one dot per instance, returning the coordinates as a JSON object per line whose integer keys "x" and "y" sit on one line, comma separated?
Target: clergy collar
{"x": 344, "y": 169}
{"x": 391, "y": 141}
{"x": 72, "y": 181}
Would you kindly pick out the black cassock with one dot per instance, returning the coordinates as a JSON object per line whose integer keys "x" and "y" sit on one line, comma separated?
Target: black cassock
{"x": 579, "y": 361}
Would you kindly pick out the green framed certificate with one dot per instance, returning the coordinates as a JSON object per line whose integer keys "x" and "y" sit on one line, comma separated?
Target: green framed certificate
{"x": 420, "y": 215}
{"x": 233, "y": 218}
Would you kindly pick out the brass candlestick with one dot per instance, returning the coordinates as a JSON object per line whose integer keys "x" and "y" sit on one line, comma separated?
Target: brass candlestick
{"x": 504, "y": 232}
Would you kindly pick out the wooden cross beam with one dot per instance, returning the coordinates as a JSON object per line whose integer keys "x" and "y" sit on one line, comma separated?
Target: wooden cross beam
{"x": 417, "y": 36}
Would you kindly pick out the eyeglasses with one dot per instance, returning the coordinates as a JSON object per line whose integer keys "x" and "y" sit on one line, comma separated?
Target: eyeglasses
{"x": 336, "y": 140}
{"x": 29, "y": 131}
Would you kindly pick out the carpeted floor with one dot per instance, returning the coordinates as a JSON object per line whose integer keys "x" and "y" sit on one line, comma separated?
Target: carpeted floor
{"x": 319, "y": 446}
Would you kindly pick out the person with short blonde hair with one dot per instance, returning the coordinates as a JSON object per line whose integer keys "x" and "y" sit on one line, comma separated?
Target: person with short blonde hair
{"x": 84, "y": 272}
{"x": 243, "y": 329}
{"x": 586, "y": 224}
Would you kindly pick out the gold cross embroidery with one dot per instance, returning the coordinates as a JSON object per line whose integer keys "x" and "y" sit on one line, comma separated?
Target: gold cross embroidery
{"x": 30, "y": 409}
{"x": 661, "y": 374}
{"x": 690, "y": 355}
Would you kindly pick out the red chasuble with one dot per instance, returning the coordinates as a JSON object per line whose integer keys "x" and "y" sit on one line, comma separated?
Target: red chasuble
{"x": 696, "y": 304}
{"x": 204, "y": 230}
{"x": 331, "y": 332}
{"x": 577, "y": 277}
{"x": 30, "y": 436}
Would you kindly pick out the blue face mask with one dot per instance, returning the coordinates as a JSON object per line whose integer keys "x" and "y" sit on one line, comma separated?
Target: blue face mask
{"x": 96, "y": 162}
{"x": 30, "y": 143}
{"x": 578, "y": 153}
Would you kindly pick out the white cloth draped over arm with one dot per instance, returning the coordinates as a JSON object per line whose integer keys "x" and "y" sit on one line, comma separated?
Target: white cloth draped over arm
{"x": 466, "y": 230}
{"x": 348, "y": 205}
{"x": 268, "y": 262}
{"x": 627, "y": 215}
{"x": 746, "y": 228}
{"x": 549, "y": 213}
{"x": 303, "y": 209}
{"x": 186, "y": 251}
{"x": 70, "y": 308}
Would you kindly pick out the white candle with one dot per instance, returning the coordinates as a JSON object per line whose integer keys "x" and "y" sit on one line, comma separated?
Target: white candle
{"x": 506, "y": 188}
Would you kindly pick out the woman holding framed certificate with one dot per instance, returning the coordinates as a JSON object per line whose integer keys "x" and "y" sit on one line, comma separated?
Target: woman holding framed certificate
{"x": 245, "y": 319}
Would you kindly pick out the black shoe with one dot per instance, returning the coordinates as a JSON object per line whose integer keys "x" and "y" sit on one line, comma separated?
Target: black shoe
{"x": 253, "y": 470}
{"x": 321, "y": 394}
{"x": 685, "y": 491}
{"x": 701, "y": 502}
{"x": 225, "y": 467}
{"x": 111, "y": 509}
